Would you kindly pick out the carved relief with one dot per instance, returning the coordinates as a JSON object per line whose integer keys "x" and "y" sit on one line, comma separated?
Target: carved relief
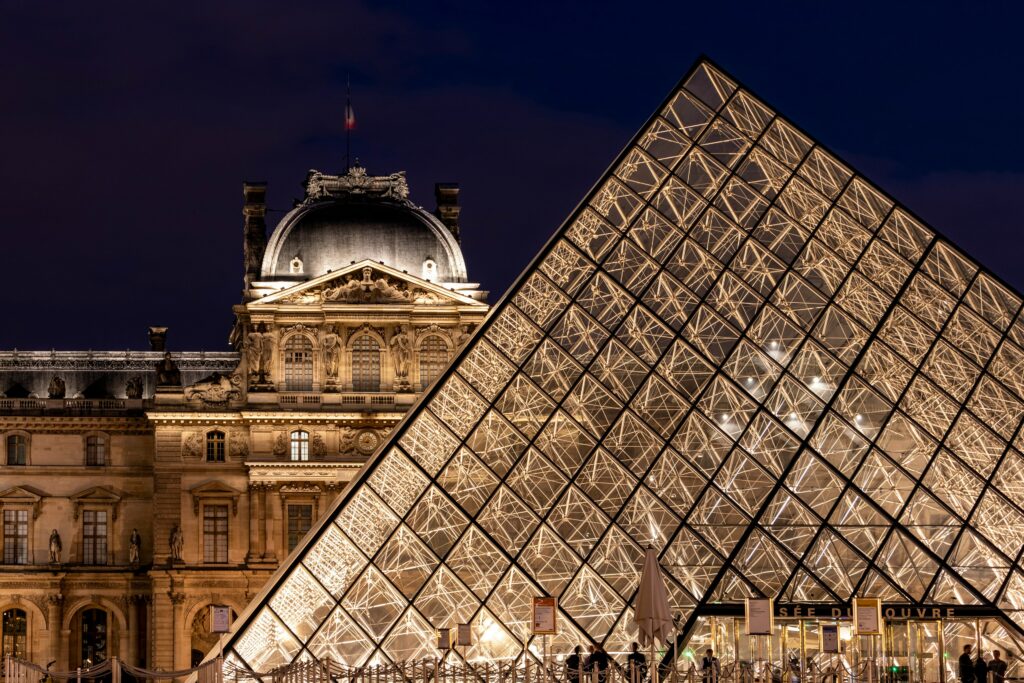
{"x": 191, "y": 444}
{"x": 259, "y": 350}
{"x": 57, "y": 388}
{"x": 133, "y": 388}
{"x": 332, "y": 350}
{"x": 353, "y": 441}
{"x": 366, "y": 289}
{"x": 316, "y": 445}
{"x": 280, "y": 444}
{"x": 356, "y": 183}
{"x": 238, "y": 447}
{"x": 401, "y": 354}
{"x": 217, "y": 389}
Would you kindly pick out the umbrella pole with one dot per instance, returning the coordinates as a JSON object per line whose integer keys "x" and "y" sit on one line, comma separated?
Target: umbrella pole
{"x": 654, "y": 664}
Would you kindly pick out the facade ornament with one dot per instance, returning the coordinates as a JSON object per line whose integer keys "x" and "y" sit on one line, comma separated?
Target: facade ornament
{"x": 356, "y": 183}
{"x": 134, "y": 547}
{"x": 57, "y": 388}
{"x": 316, "y": 445}
{"x": 176, "y": 543}
{"x": 133, "y": 388}
{"x": 259, "y": 350}
{"x": 216, "y": 389}
{"x": 332, "y": 350}
{"x": 401, "y": 354}
{"x": 176, "y": 598}
{"x": 300, "y": 328}
{"x": 367, "y": 290}
{"x": 461, "y": 336}
{"x": 238, "y": 446}
{"x": 167, "y": 373}
{"x": 56, "y": 547}
{"x": 55, "y": 599}
{"x": 192, "y": 445}
{"x": 346, "y": 440}
{"x": 280, "y": 445}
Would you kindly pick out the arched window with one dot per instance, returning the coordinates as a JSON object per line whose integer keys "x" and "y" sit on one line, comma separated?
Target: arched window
{"x": 365, "y": 364}
{"x": 95, "y": 450}
{"x": 15, "y": 634}
{"x": 93, "y": 636}
{"x": 298, "y": 364}
{"x": 215, "y": 446}
{"x": 433, "y": 359}
{"x": 300, "y": 445}
{"x": 17, "y": 450}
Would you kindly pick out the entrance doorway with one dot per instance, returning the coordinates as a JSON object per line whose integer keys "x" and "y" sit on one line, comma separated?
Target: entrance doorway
{"x": 93, "y": 638}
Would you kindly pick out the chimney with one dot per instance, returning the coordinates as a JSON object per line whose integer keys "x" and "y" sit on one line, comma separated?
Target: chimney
{"x": 254, "y": 211}
{"x": 158, "y": 339}
{"x": 447, "y": 196}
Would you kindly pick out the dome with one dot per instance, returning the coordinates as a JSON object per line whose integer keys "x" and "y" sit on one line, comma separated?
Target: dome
{"x": 346, "y": 219}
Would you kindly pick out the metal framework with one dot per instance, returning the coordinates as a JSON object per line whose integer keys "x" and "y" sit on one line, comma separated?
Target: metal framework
{"x": 736, "y": 350}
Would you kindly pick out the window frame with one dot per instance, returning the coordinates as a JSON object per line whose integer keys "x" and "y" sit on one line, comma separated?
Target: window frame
{"x": 11, "y": 438}
{"x": 27, "y": 512}
{"x": 102, "y": 447}
{"x": 426, "y": 355}
{"x": 216, "y": 440}
{"x": 297, "y": 504}
{"x": 21, "y": 652}
{"x": 210, "y": 539}
{"x": 298, "y": 374}
{"x": 365, "y": 363}
{"x": 298, "y": 445}
{"x": 91, "y": 542}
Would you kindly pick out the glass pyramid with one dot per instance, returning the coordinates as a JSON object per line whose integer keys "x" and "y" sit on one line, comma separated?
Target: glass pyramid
{"x": 737, "y": 350}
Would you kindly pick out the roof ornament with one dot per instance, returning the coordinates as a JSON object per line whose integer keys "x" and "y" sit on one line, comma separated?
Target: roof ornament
{"x": 356, "y": 183}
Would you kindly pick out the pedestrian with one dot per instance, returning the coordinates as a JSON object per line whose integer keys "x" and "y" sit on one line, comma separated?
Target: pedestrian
{"x": 966, "y": 666}
{"x": 637, "y": 664}
{"x": 574, "y": 666}
{"x": 998, "y": 667}
{"x": 597, "y": 663}
{"x": 709, "y": 667}
{"x": 980, "y": 668}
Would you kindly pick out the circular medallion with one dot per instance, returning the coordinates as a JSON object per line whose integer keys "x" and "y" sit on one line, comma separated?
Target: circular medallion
{"x": 367, "y": 441}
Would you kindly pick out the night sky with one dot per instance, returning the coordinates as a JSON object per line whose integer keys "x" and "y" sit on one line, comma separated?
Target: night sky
{"x": 128, "y": 128}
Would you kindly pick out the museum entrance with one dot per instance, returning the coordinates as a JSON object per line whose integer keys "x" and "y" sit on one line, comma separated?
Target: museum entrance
{"x": 909, "y": 649}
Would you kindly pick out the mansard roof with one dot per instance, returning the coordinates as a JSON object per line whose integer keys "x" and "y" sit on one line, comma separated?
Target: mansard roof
{"x": 738, "y": 351}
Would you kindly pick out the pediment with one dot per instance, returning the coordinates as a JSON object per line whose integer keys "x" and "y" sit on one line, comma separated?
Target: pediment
{"x": 96, "y": 495}
{"x": 215, "y": 490}
{"x": 367, "y": 283}
{"x": 23, "y": 495}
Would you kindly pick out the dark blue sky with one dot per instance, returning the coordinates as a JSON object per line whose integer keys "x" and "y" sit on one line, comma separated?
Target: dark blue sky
{"x": 126, "y": 130}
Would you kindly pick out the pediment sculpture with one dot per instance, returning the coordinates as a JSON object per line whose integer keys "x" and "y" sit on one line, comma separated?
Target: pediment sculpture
{"x": 367, "y": 289}
{"x": 216, "y": 388}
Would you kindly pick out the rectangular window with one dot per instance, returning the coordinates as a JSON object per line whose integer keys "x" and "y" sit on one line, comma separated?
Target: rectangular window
{"x": 17, "y": 450}
{"x": 15, "y": 536}
{"x": 95, "y": 451}
{"x": 300, "y": 519}
{"x": 94, "y": 536}
{"x": 215, "y": 533}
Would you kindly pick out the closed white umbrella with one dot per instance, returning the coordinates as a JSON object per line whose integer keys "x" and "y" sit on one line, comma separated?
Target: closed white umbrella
{"x": 652, "y": 613}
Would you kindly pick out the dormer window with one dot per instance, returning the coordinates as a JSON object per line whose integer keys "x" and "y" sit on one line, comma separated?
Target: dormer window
{"x": 430, "y": 270}
{"x": 295, "y": 267}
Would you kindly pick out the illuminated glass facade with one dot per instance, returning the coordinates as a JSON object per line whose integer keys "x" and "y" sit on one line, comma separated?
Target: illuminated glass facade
{"x": 738, "y": 351}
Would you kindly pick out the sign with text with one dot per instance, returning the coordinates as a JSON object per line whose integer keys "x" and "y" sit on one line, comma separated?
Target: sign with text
{"x": 220, "y": 619}
{"x": 830, "y": 638}
{"x": 867, "y": 616}
{"x": 464, "y": 636}
{"x": 760, "y": 616}
{"x": 544, "y": 611}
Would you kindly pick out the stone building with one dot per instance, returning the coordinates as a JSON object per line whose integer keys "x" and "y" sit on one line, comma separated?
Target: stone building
{"x": 138, "y": 488}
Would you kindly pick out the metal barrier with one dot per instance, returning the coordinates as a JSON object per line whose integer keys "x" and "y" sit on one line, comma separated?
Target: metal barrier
{"x": 112, "y": 670}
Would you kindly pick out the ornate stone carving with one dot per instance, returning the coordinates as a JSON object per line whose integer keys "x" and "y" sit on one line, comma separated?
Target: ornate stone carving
{"x": 366, "y": 289}
{"x": 55, "y": 599}
{"x": 299, "y": 327}
{"x": 259, "y": 350}
{"x": 460, "y": 336}
{"x": 346, "y": 439}
{"x": 134, "y": 547}
{"x": 238, "y": 446}
{"x": 280, "y": 445}
{"x": 356, "y": 183}
{"x": 112, "y": 361}
{"x": 316, "y": 445}
{"x": 359, "y": 441}
{"x": 56, "y": 547}
{"x": 192, "y": 445}
{"x": 331, "y": 344}
{"x": 57, "y": 388}
{"x": 217, "y": 389}
{"x": 167, "y": 373}
{"x": 401, "y": 354}
{"x": 176, "y": 598}
{"x": 133, "y": 388}
{"x": 176, "y": 543}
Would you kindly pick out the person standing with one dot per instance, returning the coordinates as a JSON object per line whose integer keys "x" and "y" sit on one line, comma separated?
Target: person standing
{"x": 710, "y": 670}
{"x": 980, "y": 668}
{"x": 998, "y": 667}
{"x": 966, "y": 666}
{"x": 597, "y": 663}
{"x": 574, "y": 666}
{"x": 637, "y": 664}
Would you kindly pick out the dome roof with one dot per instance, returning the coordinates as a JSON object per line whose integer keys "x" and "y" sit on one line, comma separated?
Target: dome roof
{"x": 345, "y": 219}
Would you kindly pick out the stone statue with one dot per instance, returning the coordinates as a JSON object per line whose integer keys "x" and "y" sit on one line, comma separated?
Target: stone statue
{"x": 56, "y": 547}
{"x": 461, "y": 335}
{"x": 401, "y": 353}
{"x": 133, "y": 388}
{"x": 134, "y": 546}
{"x": 57, "y": 387}
{"x": 254, "y": 352}
{"x": 332, "y": 348}
{"x": 167, "y": 373}
{"x": 176, "y": 543}
{"x": 216, "y": 388}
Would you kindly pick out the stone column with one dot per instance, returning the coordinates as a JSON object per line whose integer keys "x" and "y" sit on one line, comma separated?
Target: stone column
{"x": 254, "y": 525}
{"x": 178, "y": 629}
{"x": 273, "y": 510}
{"x": 130, "y": 655}
{"x": 263, "y": 520}
{"x": 54, "y": 621}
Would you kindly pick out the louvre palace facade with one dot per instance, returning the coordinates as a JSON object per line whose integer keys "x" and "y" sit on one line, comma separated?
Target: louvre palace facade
{"x": 138, "y": 488}
{"x": 737, "y": 351}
